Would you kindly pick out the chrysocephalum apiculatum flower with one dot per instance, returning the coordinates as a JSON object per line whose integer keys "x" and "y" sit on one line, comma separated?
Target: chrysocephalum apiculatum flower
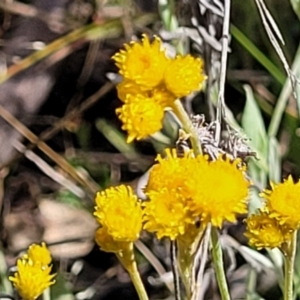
{"x": 166, "y": 213}
{"x": 143, "y": 63}
{"x": 171, "y": 172}
{"x": 264, "y": 231}
{"x": 184, "y": 75}
{"x": 150, "y": 76}
{"x": 219, "y": 190}
{"x": 39, "y": 253}
{"x": 141, "y": 116}
{"x": 282, "y": 201}
{"x": 33, "y": 274}
{"x": 209, "y": 191}
{"x": 119, "y": 212}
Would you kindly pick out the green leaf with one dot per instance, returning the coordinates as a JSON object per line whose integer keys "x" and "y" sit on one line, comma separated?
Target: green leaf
{"x": 296, "y": 6}
{"x": 254, "y": 128}
{"x": 274, "y": 160}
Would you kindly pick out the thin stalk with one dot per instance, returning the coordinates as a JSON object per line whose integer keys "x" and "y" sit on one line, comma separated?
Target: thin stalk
{"x": 127, "y": 259}
{"x": 223, "y": 69}
{"x": 187, "y": 126}
{"x": 283, "y": 98}
{"x": 217, "y": 256}
{"x": 173, "y": 250}
{"x": 137, "y": 282}
{"x": 289, "y": 268}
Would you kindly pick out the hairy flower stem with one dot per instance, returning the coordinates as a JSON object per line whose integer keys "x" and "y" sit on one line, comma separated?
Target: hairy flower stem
{"x": 185, "y": 261}
{"x": 218, "y": 264}
{"x": 126, "y": 258}
{"x": 187, "y": 125}
{"x": 289, "y": 256}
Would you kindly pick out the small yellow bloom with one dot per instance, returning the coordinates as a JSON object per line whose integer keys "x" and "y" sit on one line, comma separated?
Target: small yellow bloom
{"x": 163, "y": 96}
{"x": 219, "y": 191}
{"x": 171, "y": 172}
{"x": 119, "y": 211}
{"x": 263, "y": 231}
{"x": 141, "y": 116}
{"x": 107, "y": 243}
{"x": 39, "y": 253}
{"x": 144, "y": 63}
{"x": 34, "y": 272}
{"x": 184, "y": 75}
{"x": 128, "y": 87}
{"x": 283, "y": 202}
{"x": 166, "y": 213}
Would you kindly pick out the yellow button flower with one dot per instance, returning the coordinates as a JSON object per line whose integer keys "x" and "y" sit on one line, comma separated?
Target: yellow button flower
{"x": 263, "y": 231}
{"x": 144, "y": 63}
{"x": 33, "y": 274}
{"x": 219, "y": 191}
{"x": 141, "y": 116}
{"x": 171, "y": 172}
{"x": 119, "y": 211}
{"x": 166, "y": 213}
{"x": 283, "y": 202}
{"x": 184, "y": 75}
{"x": 39, "y": 253}
{"x": 128, "y": 87}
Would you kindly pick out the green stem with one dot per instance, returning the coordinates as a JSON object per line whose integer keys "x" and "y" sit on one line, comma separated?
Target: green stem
{"x": 283, "y": 98}
{"x": 185, "y": 261}
{"x": 218, "y": 264}
{"x": 187, "y": 126}
{"x": 289, "y": 268}
{"x": 126, "y": 258}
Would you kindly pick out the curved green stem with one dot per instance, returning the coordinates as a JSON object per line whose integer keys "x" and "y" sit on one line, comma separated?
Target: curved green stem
{"x": 187, "y": 126}
{"x": 218, "y": 264}
{"x": 289, "y": 268}
{"x": 126, "y": 258}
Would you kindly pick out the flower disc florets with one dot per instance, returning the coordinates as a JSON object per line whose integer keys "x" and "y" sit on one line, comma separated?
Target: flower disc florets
{"x": 184, "y": 75}
{"x": 263, "y": 231}
{"x": 283, "y": 202}
{"x": 166, "y": 213}
{"x": 209, "y": 191}
{"x": 119, "y": 212}
{"x": 33, "y": 274}
{"x": 219, "y": 191}
{"x": 144, "y": 63}
{"x": 141, "y": 116}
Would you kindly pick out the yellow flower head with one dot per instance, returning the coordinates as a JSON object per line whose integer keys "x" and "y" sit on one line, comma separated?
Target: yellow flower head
{"x": 32, "y": 277}
{"x": 119, "y": 212}
{"x": 141, "y": 116}
{"x": 39, "y": 253}
{"x": 162, "y": 96}
{"x": 283, "y": 202}
{"x": 263, "y": 231}
{"x": 144, "y": 63}
{"x": 219, "y": 191}
{"x": 184, "y": 75}
{"x": 107, "y": 243}
{"x": 171, "y": 172}
{"x": 166, "y": 213}
{"x": 128, "y": 87}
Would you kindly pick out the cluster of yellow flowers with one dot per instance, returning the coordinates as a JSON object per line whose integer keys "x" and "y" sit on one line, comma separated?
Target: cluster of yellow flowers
{"x": 33, "y": 275}
{"x": 278, "y": 218}
{"x": 151, "y": 83}
{"x": 181, "y": 191}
